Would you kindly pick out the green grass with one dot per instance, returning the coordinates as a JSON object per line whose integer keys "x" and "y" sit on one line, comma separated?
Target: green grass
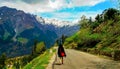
{"x": 6, "y": 34}
{"x": 22, "y": 40}
{"x": 107, "y": 49}
{"x": 41, "y": 61}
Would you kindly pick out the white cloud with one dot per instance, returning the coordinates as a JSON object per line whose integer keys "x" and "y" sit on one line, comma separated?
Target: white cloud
{"x": 67, "y": 18}
{"x": 34, "y": 6}
{"x": 56, "y": 4}
{"x": 85, "y": 2}
{"x": 74, "y": 17}
{"x": 39, "y": 6}
{"x": 31, "y": 8}
{"x": 88, "y": 14}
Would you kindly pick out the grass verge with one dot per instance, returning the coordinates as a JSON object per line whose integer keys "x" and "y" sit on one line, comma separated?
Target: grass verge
{"x": 41, "y": 61}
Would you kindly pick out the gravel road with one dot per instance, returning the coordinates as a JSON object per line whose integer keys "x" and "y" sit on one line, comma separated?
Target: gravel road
{"x": 80, "y": 60}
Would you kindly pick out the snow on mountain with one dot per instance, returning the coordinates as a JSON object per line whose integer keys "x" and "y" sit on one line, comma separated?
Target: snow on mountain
{"x": 55, "y": 22}
{"x": 18, "y": 30}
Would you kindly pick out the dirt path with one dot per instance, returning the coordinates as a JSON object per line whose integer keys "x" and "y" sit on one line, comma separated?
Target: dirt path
{"x": 80, "y": 60}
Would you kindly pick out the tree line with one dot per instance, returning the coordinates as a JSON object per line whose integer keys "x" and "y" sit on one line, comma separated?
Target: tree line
{"x": 20, "y": 61}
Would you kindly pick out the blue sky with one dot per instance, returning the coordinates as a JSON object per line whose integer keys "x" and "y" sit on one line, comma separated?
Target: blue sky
{"x": 66, "y": 10}
{"x": 74, "y": 13}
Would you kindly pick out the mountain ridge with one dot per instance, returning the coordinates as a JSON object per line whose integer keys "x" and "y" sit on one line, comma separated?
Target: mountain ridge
{"x": 18, "y": 30}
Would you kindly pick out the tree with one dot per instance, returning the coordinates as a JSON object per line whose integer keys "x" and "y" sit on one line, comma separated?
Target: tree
{"x": 34, "y": 47}
{"x": 110, "y": 13}
{"x": 99, "y": 18}
{"x": 84, "y": 22}
{"x": 90, "y": 20}
{"x": 3, "y": 58}
{"x": 97, "y": 22}
{"x": 40, "y": 48}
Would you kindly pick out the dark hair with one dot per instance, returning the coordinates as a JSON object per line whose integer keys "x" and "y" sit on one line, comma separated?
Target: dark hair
{"x": 60, "y": 43}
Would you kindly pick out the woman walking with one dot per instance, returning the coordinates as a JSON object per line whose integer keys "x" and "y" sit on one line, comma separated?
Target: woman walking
{"x": 61, "y": 51}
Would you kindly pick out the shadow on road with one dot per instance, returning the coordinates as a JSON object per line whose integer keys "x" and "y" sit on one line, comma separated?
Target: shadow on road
{"x": 57, "y": 64}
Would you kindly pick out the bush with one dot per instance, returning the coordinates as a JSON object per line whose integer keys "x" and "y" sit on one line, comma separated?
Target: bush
{"x": 40, "y": 48}
{"x": 116, "y": 55}
{"x": 3, "y": 58}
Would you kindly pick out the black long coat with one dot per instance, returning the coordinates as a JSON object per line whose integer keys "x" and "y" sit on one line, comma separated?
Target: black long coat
{"x": 60, "y": 51}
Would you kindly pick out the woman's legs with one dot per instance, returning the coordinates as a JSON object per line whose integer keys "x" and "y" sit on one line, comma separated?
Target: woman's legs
{"x": 61, "y": 60}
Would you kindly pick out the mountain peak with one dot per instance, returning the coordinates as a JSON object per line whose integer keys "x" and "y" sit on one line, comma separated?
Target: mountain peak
{"x": 4, "y": 7}
{"x": 54, "y": 22}
{"x": 18, "y": 30}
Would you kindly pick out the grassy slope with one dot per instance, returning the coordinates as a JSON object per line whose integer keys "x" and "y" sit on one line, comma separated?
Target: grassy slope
{"x": 104, "y": 39}
{"x": 41, "y": 61}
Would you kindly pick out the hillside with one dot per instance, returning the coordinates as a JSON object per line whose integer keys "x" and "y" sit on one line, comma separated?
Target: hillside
{"x": 101, "y": 36}
{"x": 42, "y": 61}
{"x": 19, "y": 30}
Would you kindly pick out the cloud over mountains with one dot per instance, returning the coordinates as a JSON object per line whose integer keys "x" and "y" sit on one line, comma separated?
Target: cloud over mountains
{"x": 33, "y": 6}
{"x": 68, "y": 10}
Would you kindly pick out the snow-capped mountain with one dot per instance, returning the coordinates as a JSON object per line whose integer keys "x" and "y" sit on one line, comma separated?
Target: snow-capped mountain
{"x": 55, "y": 22}
{"x": 18, "y": 30}
{"x": 60, "y": 27}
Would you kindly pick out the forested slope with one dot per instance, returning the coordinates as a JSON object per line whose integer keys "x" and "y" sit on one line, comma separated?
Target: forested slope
{"x": 101, "y": 36}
